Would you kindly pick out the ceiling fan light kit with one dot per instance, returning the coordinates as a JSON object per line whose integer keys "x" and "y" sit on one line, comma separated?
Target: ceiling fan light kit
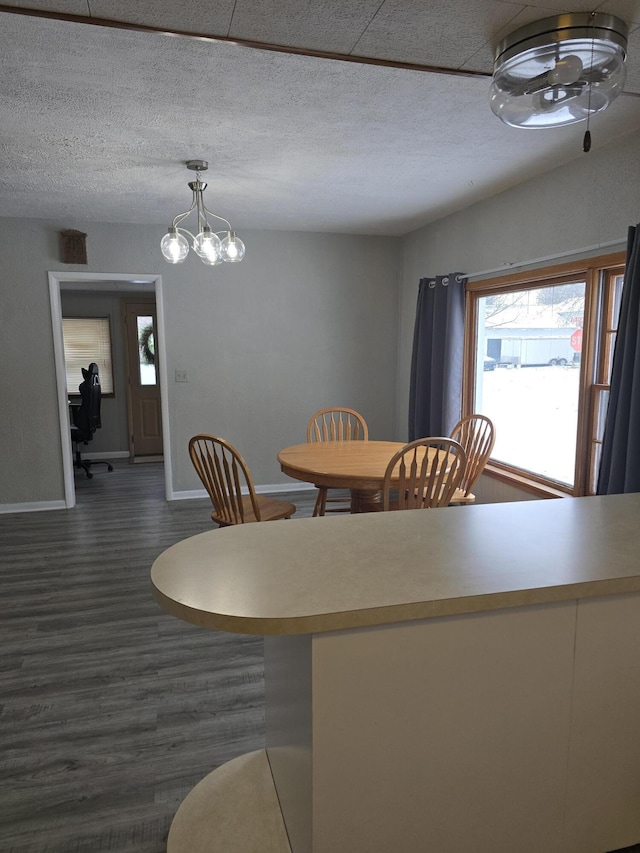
{"x": 212, "y": 247}
{"x": 559, "y": 70}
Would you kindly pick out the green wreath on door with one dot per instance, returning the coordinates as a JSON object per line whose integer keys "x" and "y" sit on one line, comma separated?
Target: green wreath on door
{"x": 147, "y": 345}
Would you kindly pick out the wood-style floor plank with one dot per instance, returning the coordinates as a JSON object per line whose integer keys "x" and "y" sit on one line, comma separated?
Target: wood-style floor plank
{"x": 111, "y": 710}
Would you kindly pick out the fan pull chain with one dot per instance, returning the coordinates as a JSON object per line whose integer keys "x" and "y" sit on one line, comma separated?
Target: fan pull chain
{"x": 586, "y": 142}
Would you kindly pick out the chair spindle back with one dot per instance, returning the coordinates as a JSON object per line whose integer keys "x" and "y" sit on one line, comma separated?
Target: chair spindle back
{"x": 224, "y": 474}
{"x": 425, "y": 474}
{"x": 337, "y": 424}
{"x": 476, "y": 434}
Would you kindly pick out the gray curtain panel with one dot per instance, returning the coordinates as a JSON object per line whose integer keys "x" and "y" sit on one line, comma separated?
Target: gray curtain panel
{"x": 620, "y": 460}
{"x": 435, "y": 394}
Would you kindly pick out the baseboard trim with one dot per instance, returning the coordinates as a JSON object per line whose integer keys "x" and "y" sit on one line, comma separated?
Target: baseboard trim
{"x": 187, "y": 496}
{"x": 277, "y": 488}
{"x": 195, "y": 494}
{"x": 36, "y": 506}
{"x": 108, "y": 454}
{"x": 269, "y": 489}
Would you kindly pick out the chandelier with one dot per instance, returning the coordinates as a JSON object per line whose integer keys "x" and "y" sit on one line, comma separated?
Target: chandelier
{"x": 559, "y": 70}
{"x": 211, "y": 247}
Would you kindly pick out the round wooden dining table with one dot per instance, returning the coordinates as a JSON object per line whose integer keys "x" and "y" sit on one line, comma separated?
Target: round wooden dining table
{"x": 355, "y": 465}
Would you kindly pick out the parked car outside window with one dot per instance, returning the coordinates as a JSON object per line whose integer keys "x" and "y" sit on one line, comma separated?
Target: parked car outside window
{"x": 489, "y": 363}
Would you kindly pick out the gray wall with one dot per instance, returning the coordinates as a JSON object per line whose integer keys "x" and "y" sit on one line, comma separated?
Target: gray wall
{"x": 305, "y": 321}
{"x": 592, "y": 200}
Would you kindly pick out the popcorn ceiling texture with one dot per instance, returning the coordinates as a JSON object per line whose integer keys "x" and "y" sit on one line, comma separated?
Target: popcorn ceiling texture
{"x": 98, "y": 122}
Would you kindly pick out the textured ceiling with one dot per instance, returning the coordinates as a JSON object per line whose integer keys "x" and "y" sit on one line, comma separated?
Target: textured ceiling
{"x": 97, "y": 121}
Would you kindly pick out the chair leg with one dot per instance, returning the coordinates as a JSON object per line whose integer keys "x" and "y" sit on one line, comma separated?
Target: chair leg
{"x": 101, "y": 462}
{"x": 86, "y": 464}
{"x": 83, "y": 463}
{"x": 321, "y": 502}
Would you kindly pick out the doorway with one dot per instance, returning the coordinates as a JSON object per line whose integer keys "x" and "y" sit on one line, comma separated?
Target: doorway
{"x": 144, "y": 394}
{"x": 135, "y": 285}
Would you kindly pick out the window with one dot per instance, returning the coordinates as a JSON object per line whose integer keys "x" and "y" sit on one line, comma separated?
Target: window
{"x": 87, "y": 339}
{"x": 146, "y": 350}
{"x": 611, "y": 297}
{"x": 538, "y": 359}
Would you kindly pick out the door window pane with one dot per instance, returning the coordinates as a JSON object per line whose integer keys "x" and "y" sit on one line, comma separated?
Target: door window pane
{"x": 146, "y": 351}
{"x": 528, "y": 346}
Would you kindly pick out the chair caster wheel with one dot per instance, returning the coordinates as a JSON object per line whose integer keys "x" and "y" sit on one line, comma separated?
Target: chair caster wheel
{"x": 89, "y": 475}
{"x": 109, "y": 467}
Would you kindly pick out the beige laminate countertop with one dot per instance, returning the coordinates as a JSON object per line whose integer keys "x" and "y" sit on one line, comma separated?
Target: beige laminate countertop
{"x": 321, "y": 574}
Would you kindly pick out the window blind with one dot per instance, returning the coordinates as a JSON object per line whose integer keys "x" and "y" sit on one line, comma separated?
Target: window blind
{"x": 87, "y": 339}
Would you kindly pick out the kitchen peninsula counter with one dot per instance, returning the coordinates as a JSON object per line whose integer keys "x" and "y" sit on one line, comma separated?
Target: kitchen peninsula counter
{"x": 440, "y": 677}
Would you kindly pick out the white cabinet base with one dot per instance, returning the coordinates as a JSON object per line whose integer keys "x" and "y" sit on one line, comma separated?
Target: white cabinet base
{"x": 510, "y": 730}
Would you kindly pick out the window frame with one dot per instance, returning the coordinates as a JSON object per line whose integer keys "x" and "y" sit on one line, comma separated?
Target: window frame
{"x": 76, "y": 394}
{"x": 607, "y": 334}
{"x": 596, "y": 272}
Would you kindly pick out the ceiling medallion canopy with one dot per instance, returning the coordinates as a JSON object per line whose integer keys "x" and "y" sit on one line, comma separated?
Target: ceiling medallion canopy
{"x": 560, "y": 70}
{"x": 211, "y": 247}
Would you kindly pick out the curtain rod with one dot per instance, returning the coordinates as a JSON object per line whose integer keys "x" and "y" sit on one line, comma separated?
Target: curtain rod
{"x": 572, "y": 253}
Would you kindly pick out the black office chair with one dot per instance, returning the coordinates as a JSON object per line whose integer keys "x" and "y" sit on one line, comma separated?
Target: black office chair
{"x": 86, "y": 417}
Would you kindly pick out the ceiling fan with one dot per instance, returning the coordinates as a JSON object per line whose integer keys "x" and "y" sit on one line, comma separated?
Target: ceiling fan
{"x": 559, "y": 70}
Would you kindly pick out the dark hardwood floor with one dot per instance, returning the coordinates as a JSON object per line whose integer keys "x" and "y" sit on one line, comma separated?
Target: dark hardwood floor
{"x": 111, "y": 709}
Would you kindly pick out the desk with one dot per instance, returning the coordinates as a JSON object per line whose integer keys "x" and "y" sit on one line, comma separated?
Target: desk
{"x": 356, "y": 465}
{"x": 442, "y": 681}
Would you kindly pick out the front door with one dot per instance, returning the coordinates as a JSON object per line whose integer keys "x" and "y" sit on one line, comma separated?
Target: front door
{"x": 145, "y": 420}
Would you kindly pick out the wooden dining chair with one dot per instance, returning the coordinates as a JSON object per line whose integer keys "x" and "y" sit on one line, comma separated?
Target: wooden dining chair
{"x": 335, "y": 424}
{"x": 225, "y": 476}
{"x": 477, "y": 435}
{"x": 424, "y": 473}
